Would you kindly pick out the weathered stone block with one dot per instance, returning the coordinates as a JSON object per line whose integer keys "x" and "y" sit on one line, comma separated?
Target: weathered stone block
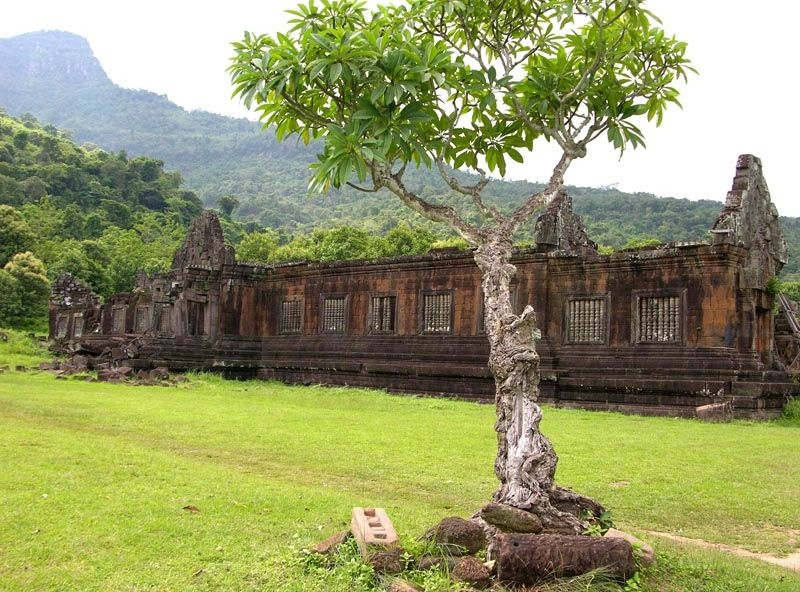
{"x": 471, "y": 571}
{"x": 457, "y": 536}
{"x": 388, "y": 561}
{"x": 331, "y": 544}
{"x": 643, "y": 551}
{"x": 716, "y": 412}
{"x": 402, "y": 586}
{"x": 161, "y": 373}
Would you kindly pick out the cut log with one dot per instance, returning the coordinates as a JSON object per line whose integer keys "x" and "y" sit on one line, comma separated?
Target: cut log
{"x": 511, "y": 519}
{"x": 529, "y": 558}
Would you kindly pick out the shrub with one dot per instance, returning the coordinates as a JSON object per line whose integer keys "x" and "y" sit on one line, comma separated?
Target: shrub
{"x": 791, "y": 413}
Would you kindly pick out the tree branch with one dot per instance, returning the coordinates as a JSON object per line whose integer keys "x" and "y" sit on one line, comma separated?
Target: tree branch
{"x": 543, "y": 197}
{"x": 436, "y": 213}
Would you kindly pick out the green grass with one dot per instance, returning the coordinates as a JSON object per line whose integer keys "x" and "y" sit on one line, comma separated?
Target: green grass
{"x": 94, "y": 479}
{"x": 20, "y": 350}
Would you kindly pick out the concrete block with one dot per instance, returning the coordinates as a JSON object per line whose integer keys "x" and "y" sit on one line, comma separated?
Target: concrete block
{"x": 372, "y": 530}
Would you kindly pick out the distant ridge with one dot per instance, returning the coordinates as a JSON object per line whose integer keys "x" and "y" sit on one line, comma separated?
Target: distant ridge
{"x": 57, "y": 56}
{"x": 54, "y": 76}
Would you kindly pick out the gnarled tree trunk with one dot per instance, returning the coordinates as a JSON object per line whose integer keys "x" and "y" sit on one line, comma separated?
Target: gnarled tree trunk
{"x": 526, "y": 461}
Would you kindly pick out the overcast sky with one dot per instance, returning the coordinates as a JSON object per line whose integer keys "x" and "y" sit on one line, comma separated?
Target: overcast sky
{"x": 741, "y": 102}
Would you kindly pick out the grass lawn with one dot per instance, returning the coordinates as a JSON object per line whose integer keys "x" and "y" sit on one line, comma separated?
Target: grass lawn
{"x": 94, "y": 479}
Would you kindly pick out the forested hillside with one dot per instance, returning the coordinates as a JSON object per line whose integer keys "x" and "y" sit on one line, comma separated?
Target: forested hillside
{"x": 52, "y": 77}
{"x": 100, "y": 215}
{"x": 106, "y": 216}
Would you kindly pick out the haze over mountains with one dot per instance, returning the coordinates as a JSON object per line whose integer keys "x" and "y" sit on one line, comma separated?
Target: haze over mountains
{"x": 55, "y": 77}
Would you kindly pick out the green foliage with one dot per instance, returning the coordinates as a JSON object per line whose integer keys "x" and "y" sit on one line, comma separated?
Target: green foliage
{"x": 88, "y": 260}
{"x": 335, "y": 244}
{"x": 641, "y": 242}
{"x": 773, "y": 286}
{"x": 791, "y": 289}
{"x": 147, "y": 247}
{"x": 451, "y": 243}
{"x": 222, "y": 156}
{"x": 405, "y": 239}
{"x": 10, "y": 300}
{"x": 607, "y": 215}
{"x": 791, "y": 232}
{"x": 15, "y": 234}
{"x": 21, "y": 348}
{"x": 458, "y": 85}
{"x": 228, "y": 203}
{"x": 258, "y": 247}
{"x": 791, "y": 413}
{"x": 343, "y": 243}
{"x": 25, "y": 275}
{"x": 100, "y": 216}
{"x": 605, "y": 249}
{"x": 344, "y": 570}
{"x": 601, "y": 525}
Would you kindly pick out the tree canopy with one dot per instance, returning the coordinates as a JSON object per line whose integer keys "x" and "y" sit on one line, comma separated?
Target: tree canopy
{"x": 458, "y": 84}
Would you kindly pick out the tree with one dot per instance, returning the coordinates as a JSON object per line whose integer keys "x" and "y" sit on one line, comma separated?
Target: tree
{"x": 451, "y": 84}
{"x": 258, "y": 247}
{"x": 343, "y": 243}
{"x": 85, "y": 260}
{"x": 33, "y": 288}
{"x": 16, "y": 235}
{"x": 10, "y": 300}
{"x": 404, "y": 239}
{"x": 228, "y": 203}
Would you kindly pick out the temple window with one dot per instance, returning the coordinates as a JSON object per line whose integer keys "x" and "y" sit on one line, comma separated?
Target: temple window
{"x": 587, "y": 320}
{"x": 195, "y": 318}
{"x": 382, "y": 314}
{"x": 334, "y": 309}
{"x": 291, "y": 320}
{"x": 659, "y": 319}
{"x": 437, "y": 312}
{"x": 142, "y": 319}
{"x": 165, "y": 321}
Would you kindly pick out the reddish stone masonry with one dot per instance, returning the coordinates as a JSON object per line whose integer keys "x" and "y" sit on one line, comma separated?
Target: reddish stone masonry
{"x": 655, "y": 331}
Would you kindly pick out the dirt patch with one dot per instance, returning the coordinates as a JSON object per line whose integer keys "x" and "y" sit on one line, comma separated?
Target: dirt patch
{"x": 789, "y": 562}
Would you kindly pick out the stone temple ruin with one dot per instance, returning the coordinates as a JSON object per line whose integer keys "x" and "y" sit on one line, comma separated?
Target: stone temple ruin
{"x": 663, "y": 330}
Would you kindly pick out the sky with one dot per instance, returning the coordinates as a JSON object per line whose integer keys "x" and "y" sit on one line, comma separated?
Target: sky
{"x": 742, "y": 101}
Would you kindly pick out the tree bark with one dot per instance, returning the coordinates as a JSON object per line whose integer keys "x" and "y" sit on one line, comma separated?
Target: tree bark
{"x": 526, "y": 462}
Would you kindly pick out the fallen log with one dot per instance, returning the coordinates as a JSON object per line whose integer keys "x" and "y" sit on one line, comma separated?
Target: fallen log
{"x": 531, "y": 558}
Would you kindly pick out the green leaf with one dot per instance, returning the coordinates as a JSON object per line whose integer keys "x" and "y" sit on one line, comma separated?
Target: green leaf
{"x": 334, "y": 72}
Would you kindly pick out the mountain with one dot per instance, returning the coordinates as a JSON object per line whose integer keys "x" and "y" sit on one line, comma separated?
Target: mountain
{"x": 54, "y": 76}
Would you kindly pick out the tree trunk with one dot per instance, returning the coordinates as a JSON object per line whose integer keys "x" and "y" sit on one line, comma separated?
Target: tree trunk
{"x": 526, "y": 461}
{"x": 532, "y": 558}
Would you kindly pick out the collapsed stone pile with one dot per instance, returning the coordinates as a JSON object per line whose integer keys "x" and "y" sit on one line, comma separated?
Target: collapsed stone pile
{"x": 500, "y": 545}
{"x": 106, "y": 372}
